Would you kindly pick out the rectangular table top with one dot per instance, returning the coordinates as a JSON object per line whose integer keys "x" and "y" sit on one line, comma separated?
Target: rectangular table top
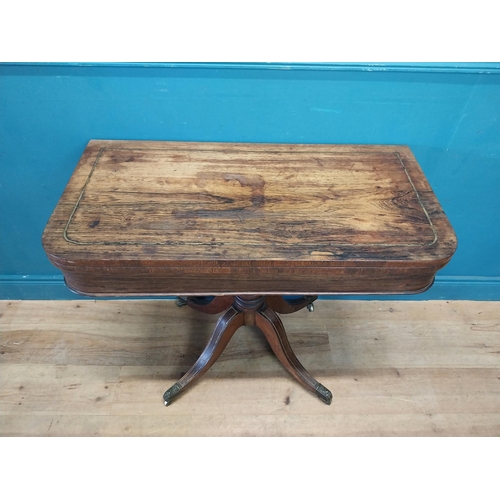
{"x": 174, "y": 209}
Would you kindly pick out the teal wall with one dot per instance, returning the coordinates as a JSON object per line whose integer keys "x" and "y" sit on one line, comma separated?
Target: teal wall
{"x": 449, "y": 114}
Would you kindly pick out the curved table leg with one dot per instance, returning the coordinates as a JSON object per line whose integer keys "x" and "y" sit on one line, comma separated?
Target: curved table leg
{"x": 280, "y": 305}
{"x": 224, "y": 330}
{"x": 270, "y": 323}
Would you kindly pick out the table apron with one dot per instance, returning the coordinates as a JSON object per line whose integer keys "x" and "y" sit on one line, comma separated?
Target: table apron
{"x": 114, "y": 281}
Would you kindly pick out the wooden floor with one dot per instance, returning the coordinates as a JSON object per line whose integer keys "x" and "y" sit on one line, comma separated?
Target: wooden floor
{"x": 85, "y": 368}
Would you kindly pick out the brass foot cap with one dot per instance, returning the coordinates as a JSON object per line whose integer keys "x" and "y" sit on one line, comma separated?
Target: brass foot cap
{"x": 171, "y": 394}
{"x": 324, "y": 394}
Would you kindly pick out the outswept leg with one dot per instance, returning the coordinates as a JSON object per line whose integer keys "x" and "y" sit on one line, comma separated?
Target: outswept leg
{"x": 272, "y": 327}
{"x": 223, "y": 331}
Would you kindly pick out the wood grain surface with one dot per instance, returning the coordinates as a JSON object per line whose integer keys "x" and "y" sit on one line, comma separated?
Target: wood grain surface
{"x": 173, "y": 217}
{"x": 395, "y": 368}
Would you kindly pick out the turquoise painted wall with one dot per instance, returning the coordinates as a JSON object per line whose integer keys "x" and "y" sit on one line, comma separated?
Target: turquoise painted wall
{"x": 449, "y": 114}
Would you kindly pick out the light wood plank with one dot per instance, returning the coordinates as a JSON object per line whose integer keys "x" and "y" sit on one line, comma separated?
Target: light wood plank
{"x": 253, "y": 425}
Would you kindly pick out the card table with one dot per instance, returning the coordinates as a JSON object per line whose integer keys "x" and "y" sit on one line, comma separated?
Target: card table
{"x": 237, "y": 228}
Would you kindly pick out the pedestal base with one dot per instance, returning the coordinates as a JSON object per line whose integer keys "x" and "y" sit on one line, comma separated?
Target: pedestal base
{"x": 249, "y": 310}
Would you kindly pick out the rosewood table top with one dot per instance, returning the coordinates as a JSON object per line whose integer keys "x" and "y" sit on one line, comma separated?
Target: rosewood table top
{"x": 193, "y": 218}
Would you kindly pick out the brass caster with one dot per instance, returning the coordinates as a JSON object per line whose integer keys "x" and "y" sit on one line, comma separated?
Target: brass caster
{"x": 324, "y": 394}
{"x": 171, "y": 394}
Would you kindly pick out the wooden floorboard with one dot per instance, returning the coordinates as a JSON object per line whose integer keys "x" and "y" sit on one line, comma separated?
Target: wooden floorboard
{"x": 395, "y": 368}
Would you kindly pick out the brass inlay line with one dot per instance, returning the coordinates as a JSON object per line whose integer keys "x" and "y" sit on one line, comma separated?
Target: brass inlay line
{"x": 419, "y": 201}
{"x": 65, "y": 232}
